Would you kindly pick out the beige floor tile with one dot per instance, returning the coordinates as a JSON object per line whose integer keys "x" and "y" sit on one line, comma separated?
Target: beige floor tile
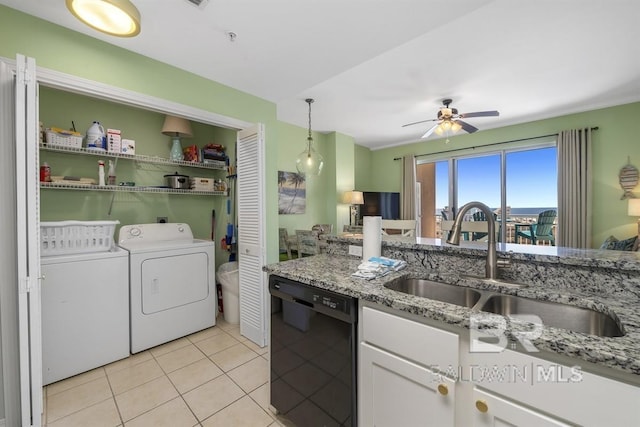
{"x": 180, "y": 358}
{"x": 75, "y": 381}
{"x": 233, "y": 357}
{"x": 255, "y": 347}
{"x": 204, "y": 334}
{"x": 132, "y": 360}
{"x": 169, "y": 347}
{"x": 174, "y": 413}
{"x": 251, "y": 375}
{"x": 145, "y": 397}
{"x": 243, "y": 413}
{"x": 235, "y": 332}
{"x": 80, "y": 397}
{"x": 216, "y": 343}
{"x": 194, "y": 375}
{"x": 211, "y": 397}
{"x": 223, "y": 324}
{"x": 103, "y": 414}
{"x": 261, "y": 396}
{"x": 134, "y": 376}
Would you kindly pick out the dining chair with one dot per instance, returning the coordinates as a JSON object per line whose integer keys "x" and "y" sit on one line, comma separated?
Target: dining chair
{"x": 480, "y": 216}
{"x": 307, "y": 242}
{"x": 542, "y": 230}
{"x": 284, "y": 242}
{"x": 406, "y": 227}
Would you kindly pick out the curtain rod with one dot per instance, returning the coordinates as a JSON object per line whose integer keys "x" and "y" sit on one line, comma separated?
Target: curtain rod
{"x": 488, "y": 145}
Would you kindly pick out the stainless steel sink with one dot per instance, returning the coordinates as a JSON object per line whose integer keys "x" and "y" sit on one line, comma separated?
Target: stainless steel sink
{"x": 556, "y": 314}
{"x": 451, "y": 294}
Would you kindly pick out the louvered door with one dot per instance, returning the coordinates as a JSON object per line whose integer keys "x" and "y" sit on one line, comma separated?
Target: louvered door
{"x": 251, "y": 234}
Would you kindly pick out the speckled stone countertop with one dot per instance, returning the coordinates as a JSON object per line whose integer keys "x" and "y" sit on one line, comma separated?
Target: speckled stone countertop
{"x": 333, "y": 272}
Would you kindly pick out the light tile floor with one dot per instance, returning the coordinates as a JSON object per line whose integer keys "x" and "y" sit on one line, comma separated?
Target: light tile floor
{"x": 214, "y": 377}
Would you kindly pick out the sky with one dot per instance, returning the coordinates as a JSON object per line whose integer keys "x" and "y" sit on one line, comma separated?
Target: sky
{"x": 531, "y": 179}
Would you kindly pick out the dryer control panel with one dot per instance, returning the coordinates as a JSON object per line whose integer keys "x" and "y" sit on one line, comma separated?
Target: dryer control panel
{"x": 155, "y": 232}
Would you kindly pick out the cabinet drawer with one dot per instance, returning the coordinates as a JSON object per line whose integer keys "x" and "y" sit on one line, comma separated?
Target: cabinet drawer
{"x": 564, "y": 391}
{"x": 412, "y": 340}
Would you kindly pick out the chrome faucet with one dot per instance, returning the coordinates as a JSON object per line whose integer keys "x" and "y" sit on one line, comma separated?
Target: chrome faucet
{"x": 492, "y": 258}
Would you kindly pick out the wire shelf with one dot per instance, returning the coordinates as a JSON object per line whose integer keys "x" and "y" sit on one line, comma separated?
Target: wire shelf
{"x": 214, "y": 164}
{"x": 128, "y": 189}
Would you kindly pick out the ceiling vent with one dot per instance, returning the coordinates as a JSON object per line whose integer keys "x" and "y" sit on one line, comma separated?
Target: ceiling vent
{"x": 199, "y": 3}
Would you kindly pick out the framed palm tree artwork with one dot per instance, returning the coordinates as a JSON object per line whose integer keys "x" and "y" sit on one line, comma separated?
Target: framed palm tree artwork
{"x": 291, "y": 193}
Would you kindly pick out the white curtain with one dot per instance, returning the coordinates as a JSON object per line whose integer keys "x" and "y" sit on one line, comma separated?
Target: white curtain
{"x": 574, "y": 188}
{"x": 408, "y": 208}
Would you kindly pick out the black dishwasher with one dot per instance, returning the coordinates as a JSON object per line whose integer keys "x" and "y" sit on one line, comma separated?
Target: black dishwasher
{"x": 313, "y": 354}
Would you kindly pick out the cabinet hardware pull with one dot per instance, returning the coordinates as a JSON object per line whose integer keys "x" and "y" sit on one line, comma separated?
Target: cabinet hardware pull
{"x": 482, "y": 406}
{"x": 443, "y": 389}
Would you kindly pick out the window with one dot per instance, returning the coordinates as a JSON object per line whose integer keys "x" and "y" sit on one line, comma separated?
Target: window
{"x": 522, "y": 181}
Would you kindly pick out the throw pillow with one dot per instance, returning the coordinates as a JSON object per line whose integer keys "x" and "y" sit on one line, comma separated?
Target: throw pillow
{"x": 608, "y": 243}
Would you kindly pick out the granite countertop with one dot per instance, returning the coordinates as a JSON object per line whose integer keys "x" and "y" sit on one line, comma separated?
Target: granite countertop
{"x": 619, "y": 353}
{"x": 620, "y": 260}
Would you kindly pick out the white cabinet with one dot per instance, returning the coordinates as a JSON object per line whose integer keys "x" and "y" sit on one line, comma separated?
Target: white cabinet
{"x": 399, "y": 380}
{"x": 412, "y": 373}
{"x": 395, "y": 391}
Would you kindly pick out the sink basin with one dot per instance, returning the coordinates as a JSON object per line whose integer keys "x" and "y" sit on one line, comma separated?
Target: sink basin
{"x": 451, "y": 294}
{"x": 556, "y": 314}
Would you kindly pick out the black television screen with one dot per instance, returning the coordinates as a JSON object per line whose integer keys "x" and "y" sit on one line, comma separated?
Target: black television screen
{"x": 384, "y": 204}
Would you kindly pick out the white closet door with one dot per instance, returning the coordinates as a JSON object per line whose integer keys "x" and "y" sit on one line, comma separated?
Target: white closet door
{"x": 251, "y": 234}
{"x": 28, "y": 248}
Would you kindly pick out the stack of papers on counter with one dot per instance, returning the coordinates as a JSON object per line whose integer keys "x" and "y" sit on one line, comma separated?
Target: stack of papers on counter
{"x": 378, "y": 266}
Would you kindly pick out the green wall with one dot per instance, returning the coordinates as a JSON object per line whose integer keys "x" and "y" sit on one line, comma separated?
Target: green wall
{"x": 614, "y": 142}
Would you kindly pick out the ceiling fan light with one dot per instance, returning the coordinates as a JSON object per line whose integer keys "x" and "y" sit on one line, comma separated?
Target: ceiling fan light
{"x": 446, "y": 125}
{"x": 114, "y": 17}
{"x": 439, "y": 130}
{"x": 455, "y": 127}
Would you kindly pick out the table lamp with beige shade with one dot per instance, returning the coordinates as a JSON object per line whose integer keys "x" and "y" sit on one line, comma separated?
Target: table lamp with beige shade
{"x": 355, "y": 199}
{"x": 176, "y": 128}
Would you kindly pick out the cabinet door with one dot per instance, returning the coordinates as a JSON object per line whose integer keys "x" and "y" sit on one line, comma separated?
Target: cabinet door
{"x": 396, "y": 392}
{"x": 493, "y": 411}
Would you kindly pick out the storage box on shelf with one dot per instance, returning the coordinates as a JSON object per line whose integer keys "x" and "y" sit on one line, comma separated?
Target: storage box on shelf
{"x": 57, "y": 139}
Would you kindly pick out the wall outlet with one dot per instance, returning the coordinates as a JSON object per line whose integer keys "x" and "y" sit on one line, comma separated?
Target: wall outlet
{"x": 355, "y": 250}
{"x": 162, "y": 219}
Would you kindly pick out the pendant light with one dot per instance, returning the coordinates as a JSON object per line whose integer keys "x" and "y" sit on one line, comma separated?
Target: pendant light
{"x": 114, "y": 17}
{"x": 309, "y": 162}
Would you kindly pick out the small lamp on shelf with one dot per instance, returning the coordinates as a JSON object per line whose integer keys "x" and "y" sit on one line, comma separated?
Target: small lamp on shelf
{"x": 633, "y": 209}
{"x": 176, "y": 127}
{"x": 355, "y": 199}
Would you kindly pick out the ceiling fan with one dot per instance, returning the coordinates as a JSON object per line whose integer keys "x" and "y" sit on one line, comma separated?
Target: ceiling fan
{"x": 448, "y": 119}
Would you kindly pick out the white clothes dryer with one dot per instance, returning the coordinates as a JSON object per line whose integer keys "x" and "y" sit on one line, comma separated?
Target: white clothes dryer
{"x": 171, "y": 282}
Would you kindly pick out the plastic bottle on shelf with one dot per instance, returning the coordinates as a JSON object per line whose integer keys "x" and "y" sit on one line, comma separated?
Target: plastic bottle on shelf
{"x": 111, "y": 176}
{"x": 101, "y": 172}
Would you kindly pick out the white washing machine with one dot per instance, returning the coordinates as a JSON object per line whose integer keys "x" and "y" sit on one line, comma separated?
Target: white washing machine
{"x": 171, "y": 282}
{"x": 85, "y": 312}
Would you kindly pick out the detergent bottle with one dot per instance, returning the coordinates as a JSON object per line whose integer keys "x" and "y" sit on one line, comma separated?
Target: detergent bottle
{"x": 96, "y": 137}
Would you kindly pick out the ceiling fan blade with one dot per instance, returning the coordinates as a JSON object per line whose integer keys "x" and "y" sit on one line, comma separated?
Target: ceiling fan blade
{"x": 466, "y": 126}
{"x": 430, "y": 131}
{"x": 421, "y": 121}
{"x": 480, "y": 114}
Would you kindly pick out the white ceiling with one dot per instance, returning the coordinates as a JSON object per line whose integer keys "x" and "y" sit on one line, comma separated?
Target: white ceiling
{"x": 374, "y": 65}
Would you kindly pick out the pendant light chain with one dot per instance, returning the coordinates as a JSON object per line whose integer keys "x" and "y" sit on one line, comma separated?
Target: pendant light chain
{"x": 309, "y": 138}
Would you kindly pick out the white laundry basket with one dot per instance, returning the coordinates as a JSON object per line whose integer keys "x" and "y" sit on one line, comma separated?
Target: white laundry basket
{"x": 230, "y": 282}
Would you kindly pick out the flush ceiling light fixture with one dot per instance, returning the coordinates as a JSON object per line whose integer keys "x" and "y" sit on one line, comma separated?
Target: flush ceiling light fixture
{"x": 309, "y": 162}
{"x": 114, "y": 17}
